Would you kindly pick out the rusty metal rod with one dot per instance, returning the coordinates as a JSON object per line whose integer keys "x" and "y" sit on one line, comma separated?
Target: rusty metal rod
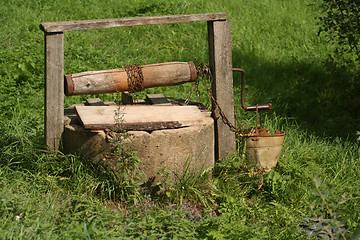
{"x": 249, "y": 108}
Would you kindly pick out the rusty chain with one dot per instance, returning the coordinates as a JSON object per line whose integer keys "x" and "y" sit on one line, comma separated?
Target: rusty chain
{"x": 135, "y": 78}
{"x": 202, "y": 71}
{"x": 135, "y": 82}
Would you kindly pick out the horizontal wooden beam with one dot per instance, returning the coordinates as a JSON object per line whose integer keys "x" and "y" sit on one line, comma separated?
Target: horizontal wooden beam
{"x": 126, "y": 22}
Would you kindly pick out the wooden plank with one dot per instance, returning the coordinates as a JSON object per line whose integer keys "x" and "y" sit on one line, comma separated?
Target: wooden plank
{"x": 54, "y": 89}
{"x": 136, "y": 117}
{"x": 220, "y": 61}
{"x": 156, "y": 99}
{"x": 126, "y": 22}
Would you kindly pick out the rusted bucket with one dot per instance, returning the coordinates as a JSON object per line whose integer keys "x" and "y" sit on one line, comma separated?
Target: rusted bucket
{"x": 264, "y": 148}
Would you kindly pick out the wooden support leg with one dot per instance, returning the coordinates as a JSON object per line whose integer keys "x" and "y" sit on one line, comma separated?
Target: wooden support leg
{"x": 54, "y": 89}
{"x": 220, "y": 61}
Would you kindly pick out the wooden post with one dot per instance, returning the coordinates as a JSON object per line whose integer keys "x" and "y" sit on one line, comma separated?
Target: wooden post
{"x": 54, "y": 89}
{"x": 220, "y": 61}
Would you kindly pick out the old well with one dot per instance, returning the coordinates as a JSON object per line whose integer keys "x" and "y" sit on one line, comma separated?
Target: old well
{"x": 176, "y": 147}
{"x": 185, "y": 135}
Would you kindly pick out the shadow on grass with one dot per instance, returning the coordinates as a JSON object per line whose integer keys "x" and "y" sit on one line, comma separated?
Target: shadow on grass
{"x": 323, "y": 98}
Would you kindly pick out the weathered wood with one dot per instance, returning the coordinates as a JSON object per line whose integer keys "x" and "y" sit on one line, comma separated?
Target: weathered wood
{"x": 94, "y": 102}
{"x": 54, "y": 89}
{"x": 220, "y": 57}
{"x": 136, "y": 117}
{"x": 156, "y": 99}
{"x": 126, "y": 22}
{"x": 126, "y": 98}
{"x": 116, "y": 80}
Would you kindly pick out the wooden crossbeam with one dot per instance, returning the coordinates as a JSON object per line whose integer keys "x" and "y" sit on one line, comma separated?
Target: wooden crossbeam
{"x": 127, "y": 22}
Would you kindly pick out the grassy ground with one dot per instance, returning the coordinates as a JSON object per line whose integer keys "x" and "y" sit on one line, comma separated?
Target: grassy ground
{"x": 315, "y": 102}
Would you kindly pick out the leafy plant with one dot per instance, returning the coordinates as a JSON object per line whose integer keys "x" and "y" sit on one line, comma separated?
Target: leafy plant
{"x": 340, "y": 20}
{"x": 326, "y": 222}
{"x": 122, "y": 166}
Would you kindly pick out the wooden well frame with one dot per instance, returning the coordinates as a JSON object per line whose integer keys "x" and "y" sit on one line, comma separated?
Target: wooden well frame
{"x": 220, "y": 63}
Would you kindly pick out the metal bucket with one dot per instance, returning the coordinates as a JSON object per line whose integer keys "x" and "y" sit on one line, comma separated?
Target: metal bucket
{"x": 264, "y": 148}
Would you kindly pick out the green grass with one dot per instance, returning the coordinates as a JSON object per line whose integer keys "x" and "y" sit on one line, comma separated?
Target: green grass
{"x": 315, "y": 102}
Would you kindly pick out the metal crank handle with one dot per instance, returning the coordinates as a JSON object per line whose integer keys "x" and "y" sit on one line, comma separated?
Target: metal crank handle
{"x": 249, "y": 108}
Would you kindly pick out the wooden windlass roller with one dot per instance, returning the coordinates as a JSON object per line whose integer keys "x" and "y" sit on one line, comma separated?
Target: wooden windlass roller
{"x": 130, "y": 78}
